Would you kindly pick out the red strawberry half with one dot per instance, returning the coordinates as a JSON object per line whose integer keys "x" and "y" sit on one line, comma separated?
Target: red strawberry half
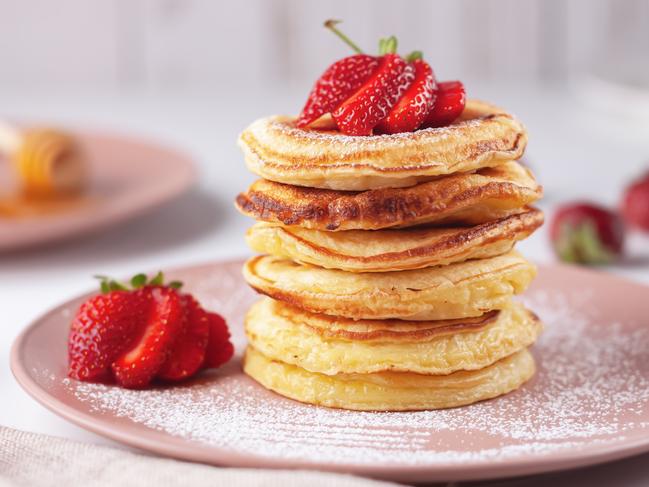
{"x": 102, "y": 330}
{"x": 449, "y": 104}
{"x": 157, "y": 334}
{"x": 360, "y": 113}
{"x": 587, "y": 234}
{"x": 219, "y": 348}
{"x": 188, "y": 353}
{"x": 414, "y": 103}
{"x": 335, "y": 85}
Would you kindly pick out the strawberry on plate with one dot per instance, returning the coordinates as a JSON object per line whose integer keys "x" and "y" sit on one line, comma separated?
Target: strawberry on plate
{"x": 585, "y": 233}
{"x": 188, "y": 354}
{"x": 102, "y": 330}
{"x": 219, "y": 348}
{"x": 150, "y": 331}
{"x": 157, "y": 334}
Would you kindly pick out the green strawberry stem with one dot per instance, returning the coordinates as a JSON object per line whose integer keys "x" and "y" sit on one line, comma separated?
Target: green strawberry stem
{"x": 137, "y": 281}
{"x": 414, "y": 55}
{"x": 387, "y": 45}
{"x": 331, "y": 25}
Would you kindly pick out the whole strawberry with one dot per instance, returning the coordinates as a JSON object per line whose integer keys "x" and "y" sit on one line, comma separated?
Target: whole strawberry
{"x": 134, "y": 335}
{"x": 585, "y": 233}
{"x": 635, "y": 205}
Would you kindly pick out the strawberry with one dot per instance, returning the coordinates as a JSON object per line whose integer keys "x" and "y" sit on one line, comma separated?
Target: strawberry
{"x": 102, "y": 330}
{"x": 587, "y": 234}
{"x": 635, "y": 205}
{"x": 387, "y": 94}
{"x": 219, "y": 347}
{"x": 151, "y": 330}
{"x": 413, "y": 105}
{"x": 188, "y": 353}
{"x": 449, "y": 104}
{"x": 360, "y": 113}
{"x": 336, "y": 84}
{"x": 157, "y": 334}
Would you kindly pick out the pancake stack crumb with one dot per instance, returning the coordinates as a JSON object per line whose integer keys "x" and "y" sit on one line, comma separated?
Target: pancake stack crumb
{"x": 388, "y": 269}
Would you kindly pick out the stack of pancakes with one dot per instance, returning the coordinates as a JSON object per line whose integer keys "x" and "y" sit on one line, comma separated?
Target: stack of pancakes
{"x": 389, "y": 267}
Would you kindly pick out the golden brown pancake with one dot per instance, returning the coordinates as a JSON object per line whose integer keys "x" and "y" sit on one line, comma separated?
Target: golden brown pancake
{"x": 330, "y": 345}
{"x": 275, "y": 149}
{"x": 390, "y": 391}
{"x": 466, "y": 198}
{"x": 393, "y": 250}
{"x": 435, "y": 293}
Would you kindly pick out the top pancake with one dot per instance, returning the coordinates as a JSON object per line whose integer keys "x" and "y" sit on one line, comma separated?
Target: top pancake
{"x": 484, "y": 136}
{"x": 465, "y": 198}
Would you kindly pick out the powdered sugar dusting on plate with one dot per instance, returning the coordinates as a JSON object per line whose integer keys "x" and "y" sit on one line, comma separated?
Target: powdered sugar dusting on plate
{"x": 592, "y": 387}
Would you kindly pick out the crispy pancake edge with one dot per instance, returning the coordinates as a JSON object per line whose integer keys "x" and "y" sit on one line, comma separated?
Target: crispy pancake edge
{"x": 505, "y": 189}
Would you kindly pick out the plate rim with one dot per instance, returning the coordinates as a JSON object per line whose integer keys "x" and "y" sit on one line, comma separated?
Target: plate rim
{"x": 210, "y": 454}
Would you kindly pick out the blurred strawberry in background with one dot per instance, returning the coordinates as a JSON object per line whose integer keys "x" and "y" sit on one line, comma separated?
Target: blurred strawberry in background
{"x": 635, "y": 204}
{"x": 585, "y": 233}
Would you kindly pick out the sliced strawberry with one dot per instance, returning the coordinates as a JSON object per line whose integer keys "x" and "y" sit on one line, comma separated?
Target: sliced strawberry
{"x": 449, "y": 104}
{"x": 219, "y": 348}
{"x": 102, "y": 330}
{"x": 188, "y": 353}
{"x": 139, "y": 364}
{"x": 336, "y": 84}
{"x": 361, "y": 112}
{"x": 413, "y": 105}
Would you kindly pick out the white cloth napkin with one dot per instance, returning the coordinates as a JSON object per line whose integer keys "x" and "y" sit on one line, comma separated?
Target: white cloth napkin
{"x": 29, "y": 459}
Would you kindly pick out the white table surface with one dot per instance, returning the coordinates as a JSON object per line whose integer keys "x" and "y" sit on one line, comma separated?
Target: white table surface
{"x": 576, "y": 151}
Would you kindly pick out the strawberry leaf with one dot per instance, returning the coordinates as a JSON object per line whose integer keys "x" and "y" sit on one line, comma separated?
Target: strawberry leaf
{"x": 157, "y": 280}
{"x": 138, "y": 280}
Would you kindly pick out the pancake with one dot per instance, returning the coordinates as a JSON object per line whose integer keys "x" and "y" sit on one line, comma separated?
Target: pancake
{"x": 465, "y": 198}
{"x": 274, "y": 148}
{"x": 435, "y": 293}
{"x": 390, "y": 391}
{"x": 329, "y": 345}
{"x": 393, "y": 250}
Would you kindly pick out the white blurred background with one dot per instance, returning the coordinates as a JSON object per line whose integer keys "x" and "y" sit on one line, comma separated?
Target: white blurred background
{"x": 120, "y": 45}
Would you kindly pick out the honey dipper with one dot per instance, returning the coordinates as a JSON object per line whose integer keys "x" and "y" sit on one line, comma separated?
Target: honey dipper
{"x": 47, "y": 162}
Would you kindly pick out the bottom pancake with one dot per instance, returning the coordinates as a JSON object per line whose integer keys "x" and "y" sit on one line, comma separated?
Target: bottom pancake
{"x": 390, "y": 391}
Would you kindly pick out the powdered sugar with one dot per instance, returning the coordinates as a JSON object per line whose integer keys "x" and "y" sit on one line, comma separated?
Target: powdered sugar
{"x": 592, "y": 387}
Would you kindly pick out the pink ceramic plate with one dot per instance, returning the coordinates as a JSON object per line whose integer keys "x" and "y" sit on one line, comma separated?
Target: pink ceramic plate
{"x": 588, "y": 403}
{"x": 127, "y": 178}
